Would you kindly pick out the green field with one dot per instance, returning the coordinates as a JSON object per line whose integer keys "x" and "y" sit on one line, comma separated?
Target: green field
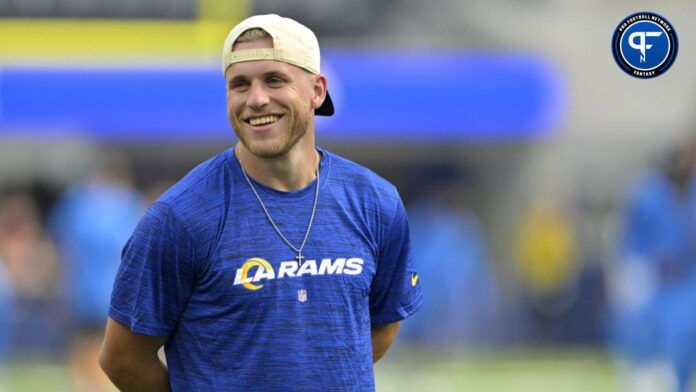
{"x": 407, "y": 370}
{"x": 519, "y": 371}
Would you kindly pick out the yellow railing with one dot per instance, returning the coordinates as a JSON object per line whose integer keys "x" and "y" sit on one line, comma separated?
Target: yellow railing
{"x": 119, "y": 42}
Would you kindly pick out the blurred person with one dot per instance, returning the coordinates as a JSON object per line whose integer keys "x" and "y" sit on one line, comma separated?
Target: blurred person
{"x": 90, "y": 222}
{"x": 6, "y": 305}
{"x": 28, "y": 278}
{"x": 655, "y": 282}
{"x": 545, "y": 252}
{"x": 462, "y": 303}
{"x": 275, "y": 265}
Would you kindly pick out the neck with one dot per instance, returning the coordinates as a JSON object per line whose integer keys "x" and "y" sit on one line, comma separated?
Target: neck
{"x": 290, "y": 172}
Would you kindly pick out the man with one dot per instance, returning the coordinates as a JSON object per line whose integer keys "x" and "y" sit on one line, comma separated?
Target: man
{"x": 89, "y": 224}
{"x": 653, "y": 321}
{"x": 274, "y": 266}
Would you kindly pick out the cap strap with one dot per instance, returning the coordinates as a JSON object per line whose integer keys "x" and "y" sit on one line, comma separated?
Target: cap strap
{"x": 249, "y": 55}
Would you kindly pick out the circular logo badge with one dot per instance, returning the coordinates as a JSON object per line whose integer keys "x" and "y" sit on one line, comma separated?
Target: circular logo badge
{"x": 645, "y": 45}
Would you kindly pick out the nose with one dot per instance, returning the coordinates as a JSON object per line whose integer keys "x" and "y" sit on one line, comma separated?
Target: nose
{"x": 258, "y": 96}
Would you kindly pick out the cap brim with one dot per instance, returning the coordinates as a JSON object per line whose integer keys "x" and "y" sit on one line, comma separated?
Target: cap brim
{"x": 326, "y": 108}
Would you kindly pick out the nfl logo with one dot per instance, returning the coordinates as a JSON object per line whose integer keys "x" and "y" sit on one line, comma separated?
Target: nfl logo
{"x": 302, "y": 295}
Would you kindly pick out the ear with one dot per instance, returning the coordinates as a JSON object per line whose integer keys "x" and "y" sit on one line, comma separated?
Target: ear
{"x": 319, "y": 91}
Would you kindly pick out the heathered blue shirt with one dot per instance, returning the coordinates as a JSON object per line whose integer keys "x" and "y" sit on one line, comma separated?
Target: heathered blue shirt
{"x": 206, "y": 268}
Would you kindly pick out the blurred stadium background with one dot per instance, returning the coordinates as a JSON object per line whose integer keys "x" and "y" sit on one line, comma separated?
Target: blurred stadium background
{"x": 514, "y": 138}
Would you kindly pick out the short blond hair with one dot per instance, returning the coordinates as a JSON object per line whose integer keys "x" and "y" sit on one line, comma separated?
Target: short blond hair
{"x": 252, "y": 35}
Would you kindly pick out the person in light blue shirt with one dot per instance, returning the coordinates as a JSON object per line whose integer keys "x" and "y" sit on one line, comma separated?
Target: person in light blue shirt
{"x": 90, "y": 223}
{"x": 654, "y": 318}
{"x": 462, "y": 304}
{"x": 275, "y": 265}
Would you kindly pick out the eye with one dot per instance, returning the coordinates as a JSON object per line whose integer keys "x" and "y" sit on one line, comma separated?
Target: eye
{"x": 237, "y": 85}
{"x": 275, "y": 81}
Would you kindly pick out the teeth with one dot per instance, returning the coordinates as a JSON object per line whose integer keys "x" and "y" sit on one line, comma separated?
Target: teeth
{"x": 263, "y": 120}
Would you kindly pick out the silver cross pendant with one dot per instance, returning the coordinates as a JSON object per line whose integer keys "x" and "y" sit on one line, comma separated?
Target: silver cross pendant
{"x": 299, "y": 258}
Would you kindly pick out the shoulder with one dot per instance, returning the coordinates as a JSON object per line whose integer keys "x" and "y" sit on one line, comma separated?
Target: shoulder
{"x": 359, "y": 180}
{"x": 200, "y": 197}
{"x": 375, "y": 200}
{"x": 201, "y": 179}
{"x": 649, "y": 187}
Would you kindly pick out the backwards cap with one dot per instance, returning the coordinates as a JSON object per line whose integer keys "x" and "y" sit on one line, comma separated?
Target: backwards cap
{"x": 293, "y": 43}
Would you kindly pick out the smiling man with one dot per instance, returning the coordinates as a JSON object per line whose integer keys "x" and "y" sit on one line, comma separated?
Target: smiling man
{"x": 275, "y": 265}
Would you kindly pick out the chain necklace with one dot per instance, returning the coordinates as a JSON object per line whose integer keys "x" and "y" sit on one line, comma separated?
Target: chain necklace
{"x": 299, "y": 256}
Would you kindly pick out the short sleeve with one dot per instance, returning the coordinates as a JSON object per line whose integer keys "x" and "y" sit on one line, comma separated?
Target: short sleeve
{"x": 156, "y": 276}
{"x": 395, "y": 293}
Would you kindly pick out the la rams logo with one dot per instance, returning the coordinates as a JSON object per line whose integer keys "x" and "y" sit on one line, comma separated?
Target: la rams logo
{"x": 645, "y": 45}
{"x": 263, "y": 271}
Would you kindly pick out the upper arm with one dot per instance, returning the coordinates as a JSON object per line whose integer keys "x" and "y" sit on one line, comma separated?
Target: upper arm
{"x": 122, "y": 347}
{"x": 395, "y": 292}
{"x": 157, "y": 274}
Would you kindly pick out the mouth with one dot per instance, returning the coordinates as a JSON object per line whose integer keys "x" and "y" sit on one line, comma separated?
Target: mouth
{"x": 260, "y": 121}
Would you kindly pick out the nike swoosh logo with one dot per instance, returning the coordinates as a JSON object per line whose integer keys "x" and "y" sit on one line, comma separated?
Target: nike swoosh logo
{"x": 414, "y": 279}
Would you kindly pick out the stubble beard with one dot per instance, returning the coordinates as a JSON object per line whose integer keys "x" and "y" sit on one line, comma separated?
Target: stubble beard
{"x": 298, "y": 128}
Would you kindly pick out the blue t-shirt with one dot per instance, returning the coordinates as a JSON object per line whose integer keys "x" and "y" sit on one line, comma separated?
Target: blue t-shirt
{"x": 206, "y": 268}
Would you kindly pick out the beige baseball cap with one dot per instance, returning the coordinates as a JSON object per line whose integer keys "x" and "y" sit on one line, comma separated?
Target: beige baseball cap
{"x": 293, "y": 43}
